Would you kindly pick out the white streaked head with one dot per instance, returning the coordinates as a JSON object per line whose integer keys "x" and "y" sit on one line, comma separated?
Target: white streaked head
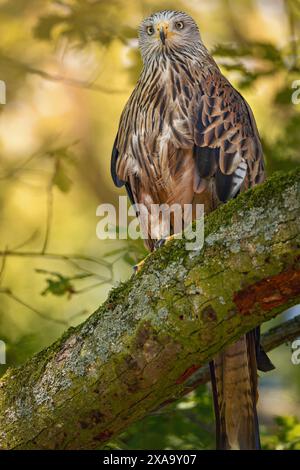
{"x": 166, "y": 31}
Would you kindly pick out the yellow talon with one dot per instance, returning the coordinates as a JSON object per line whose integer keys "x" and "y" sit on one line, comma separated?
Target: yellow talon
{"x": 165, "y": 240}
{"x": 137, "y": 268}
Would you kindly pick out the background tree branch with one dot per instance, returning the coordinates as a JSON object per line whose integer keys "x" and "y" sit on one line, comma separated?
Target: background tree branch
{"x": 138, "y": 350}
{"x": 280, "y": 334}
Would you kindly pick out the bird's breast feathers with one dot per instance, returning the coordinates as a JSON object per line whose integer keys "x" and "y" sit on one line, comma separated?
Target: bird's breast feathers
{"x": 182, "y": 115}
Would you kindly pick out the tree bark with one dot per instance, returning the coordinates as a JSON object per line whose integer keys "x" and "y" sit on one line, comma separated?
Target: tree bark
{"x": 280, "y": 334}
{"x": 139, "y": 349}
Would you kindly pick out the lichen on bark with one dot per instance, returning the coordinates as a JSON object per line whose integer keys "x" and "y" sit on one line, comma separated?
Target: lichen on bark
{"x": 140, "y": 347}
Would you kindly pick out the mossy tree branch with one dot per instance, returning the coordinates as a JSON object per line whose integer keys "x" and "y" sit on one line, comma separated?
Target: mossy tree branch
{"x": 139, "y": 349}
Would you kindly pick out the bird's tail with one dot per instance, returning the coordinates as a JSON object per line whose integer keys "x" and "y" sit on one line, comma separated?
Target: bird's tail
{"x": 234, "y": 382}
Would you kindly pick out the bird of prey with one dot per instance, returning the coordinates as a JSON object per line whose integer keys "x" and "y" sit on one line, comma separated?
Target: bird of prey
{"x": 186, "y": 136}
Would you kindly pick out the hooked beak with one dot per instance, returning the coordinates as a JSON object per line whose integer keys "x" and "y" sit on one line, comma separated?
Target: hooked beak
{"x": 162, "y": 35}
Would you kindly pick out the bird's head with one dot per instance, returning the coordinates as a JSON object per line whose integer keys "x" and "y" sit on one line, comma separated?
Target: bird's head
{"x": 166, "y": 31}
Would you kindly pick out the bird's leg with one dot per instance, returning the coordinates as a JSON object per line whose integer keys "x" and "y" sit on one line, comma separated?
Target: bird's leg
{"x": 163, "y": 241}
{"x": 157, "y": 244}
{"x": 137, "y": 267}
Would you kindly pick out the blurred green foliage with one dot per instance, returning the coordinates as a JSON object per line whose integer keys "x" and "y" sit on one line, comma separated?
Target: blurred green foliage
{"x": 69, "y": 66}
{"x": 82, "y": 21}
{"x": 185, "y": 425}
{"x": 286, "y": 434}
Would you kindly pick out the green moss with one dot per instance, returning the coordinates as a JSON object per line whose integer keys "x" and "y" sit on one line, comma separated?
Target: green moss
{"x": 259, "y": 196}
{"x": 150, "y": 328}
{"x": 257, "y": 200}
{"x": 164, "y": 262}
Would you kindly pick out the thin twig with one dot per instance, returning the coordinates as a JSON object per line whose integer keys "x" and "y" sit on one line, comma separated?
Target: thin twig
{"x": 49, "y": 214}
{"x": 40, "y": 314}
{"x": 55, "y": 256}
{"x": 293, "y": 33}
{"x": 2, "y": 268}
{"x": 25, "y": 242}
{"x": 92, "y": 286}
{"x": 89, "y": 271}
{"x": 283, "y": 333}
{"x": 12, "y": 172}
{"x": 59, "y": 78}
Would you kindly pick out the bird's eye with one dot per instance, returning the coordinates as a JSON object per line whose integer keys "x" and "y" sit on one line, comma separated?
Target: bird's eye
{"x": 150, "y": 30}
{"x": 179, "y": 25}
